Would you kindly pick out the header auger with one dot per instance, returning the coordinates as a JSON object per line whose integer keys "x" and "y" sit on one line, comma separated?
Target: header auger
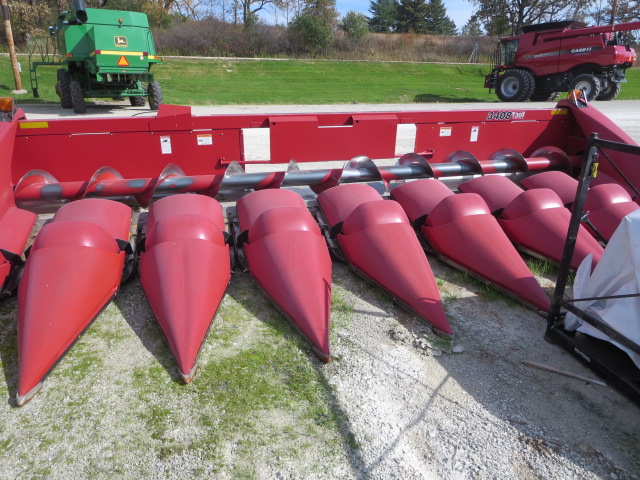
{"x": 101, "y": 54}
{"x": 281, "y": 226}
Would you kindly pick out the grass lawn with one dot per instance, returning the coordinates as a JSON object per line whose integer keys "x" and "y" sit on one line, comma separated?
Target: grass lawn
{"x": 231, "y": 82}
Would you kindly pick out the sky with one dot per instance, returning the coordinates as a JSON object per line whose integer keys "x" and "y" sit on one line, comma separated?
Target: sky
{"x": 458, "y": 10}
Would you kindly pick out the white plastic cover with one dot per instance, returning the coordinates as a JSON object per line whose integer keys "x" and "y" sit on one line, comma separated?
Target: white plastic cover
{"x": 617, "y": 273}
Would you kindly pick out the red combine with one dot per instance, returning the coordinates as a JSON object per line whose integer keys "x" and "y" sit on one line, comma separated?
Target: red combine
{"x": 283, "y": 225}
{"x": 562, "y": 56}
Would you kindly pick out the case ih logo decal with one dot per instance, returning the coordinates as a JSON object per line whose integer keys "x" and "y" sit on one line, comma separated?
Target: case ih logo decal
{"x": 505, "y": 115}
{"x": 564, "y": 52}
{"x": 120, "y": 41}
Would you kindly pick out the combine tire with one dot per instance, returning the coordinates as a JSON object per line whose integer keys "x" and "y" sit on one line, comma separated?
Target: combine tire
{"x": 516, "y": 86}
{"x": 545, "y": 96}
{"x": 138, "y": 101}
{"x": 609, "y": 91}
{"x": 588, "y": 83}
{"x": 62, "y": 88}
{"x": 155, "y": 95}
{"x": 77, "y": 98}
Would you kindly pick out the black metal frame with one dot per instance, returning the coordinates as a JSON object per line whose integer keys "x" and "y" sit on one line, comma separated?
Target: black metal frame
{"x": 604, "y": 358}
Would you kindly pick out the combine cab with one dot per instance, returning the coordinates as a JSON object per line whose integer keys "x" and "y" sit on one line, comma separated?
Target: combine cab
{"x": 101, "y": 54}
{"x": 560, "y": 56}
{"x": 515, "y": 171}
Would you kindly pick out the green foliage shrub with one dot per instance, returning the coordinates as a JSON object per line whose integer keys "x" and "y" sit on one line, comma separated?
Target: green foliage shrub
{"x": 310, "y": 33}
{"x": 354, "y": 25}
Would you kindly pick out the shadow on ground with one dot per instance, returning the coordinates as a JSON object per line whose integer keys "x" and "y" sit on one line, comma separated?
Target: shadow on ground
{"x": 430, "y": 98}
{"x": 136, "y": 311}
{"x": 9, "y": 346}
{"x": 553, "y": 418}
{"x": 266, "y": 313}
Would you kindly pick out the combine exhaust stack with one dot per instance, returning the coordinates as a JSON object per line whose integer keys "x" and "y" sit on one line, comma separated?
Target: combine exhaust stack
{"x": 186, "y": 245}
{"x": 78, "y": 14}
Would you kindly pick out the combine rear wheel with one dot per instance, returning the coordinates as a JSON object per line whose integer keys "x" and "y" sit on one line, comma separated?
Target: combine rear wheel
{"x": 609, "y": 91}
{"x": 138, "y": 101}
{"x": 155, "y": 95}
{"x": 62, "y": 88}
{"x": 588, "y": 83}
{"x": 77, "y": 97}
{"x": 516, "y": 86}
{"x": 545, "y": 96}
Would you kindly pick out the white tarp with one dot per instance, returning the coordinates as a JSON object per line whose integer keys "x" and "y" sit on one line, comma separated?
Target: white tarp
{"x": 617, "y": 273}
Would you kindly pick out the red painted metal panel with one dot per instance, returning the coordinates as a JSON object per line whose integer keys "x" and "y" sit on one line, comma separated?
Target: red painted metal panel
{"x": 132, "y": 154}
{"x": 110, "y": 216}
{"x": 482, "y": 138}
{"x": 544, "y": 232}
{"x": 379, "y": 243}
{"x": 250, "y": 207}
{"x": 73, "y": 149}
{"x": 564, "y": 185}
{"x": 185, "y": 271}
{"x": 73, "y": 271}
{"x": 281, "y": 220}
{"x": 420, "y": 197}
{"x": 497, "y": 191}
{"x": 304, "y": 139}
{"x": 530, "y": 201}
{"x": 338, "y": 203}
{"x": 535, "y": 220}
{"x": 378, "y": 212}
{"x": 592, "y": 120}
{"x": 476, "y": 242}
{"x": 288, "y": 258}
{"x": 608, "y": 204}
{"x": 456, "y": 206}
{"x": 15, "y": 224}
{"x": 462, "y": 230}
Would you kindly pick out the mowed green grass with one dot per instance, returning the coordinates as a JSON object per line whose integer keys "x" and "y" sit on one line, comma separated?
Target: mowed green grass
{"x": 231, "y": 82}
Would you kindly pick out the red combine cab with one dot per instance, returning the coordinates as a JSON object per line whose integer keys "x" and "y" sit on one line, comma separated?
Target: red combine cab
{"x": 561, "y": 56}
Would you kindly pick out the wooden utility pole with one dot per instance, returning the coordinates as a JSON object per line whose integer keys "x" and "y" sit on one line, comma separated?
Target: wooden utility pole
{"x": 12, "y": 48}
{"x": 614, "y": 12}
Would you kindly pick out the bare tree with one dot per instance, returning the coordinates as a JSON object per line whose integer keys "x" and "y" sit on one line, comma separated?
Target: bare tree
{"x": 289, "y": 9}
{"x": 517, "y": 13}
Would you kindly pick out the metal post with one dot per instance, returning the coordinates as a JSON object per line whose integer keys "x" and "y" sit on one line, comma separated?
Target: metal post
{"x": 614, "y": 12}
{"x": 572, "y": 234}
{"x": 12, "y": 48}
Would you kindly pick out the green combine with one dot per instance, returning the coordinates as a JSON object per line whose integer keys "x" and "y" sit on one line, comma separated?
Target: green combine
{"x": 101, "y": 54}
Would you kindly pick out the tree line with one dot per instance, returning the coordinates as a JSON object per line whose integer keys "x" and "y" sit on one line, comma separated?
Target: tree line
{"x": 313, "y": 25}
{"x": 493, "y": 17}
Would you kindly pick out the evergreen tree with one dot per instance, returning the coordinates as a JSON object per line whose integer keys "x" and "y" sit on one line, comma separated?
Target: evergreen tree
{"x": 354, "y": 24}
{"x": 310, "y": 33}
{"x": 325, "y": 9}
{"x": 383, "y": 15}
{"x": 472, "y": 27}
{"x": 412, "y": 16}
{"x": 437, "y": 22}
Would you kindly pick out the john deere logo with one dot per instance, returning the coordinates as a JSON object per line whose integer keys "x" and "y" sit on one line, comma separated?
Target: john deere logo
{"x": 120, "y": 41}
